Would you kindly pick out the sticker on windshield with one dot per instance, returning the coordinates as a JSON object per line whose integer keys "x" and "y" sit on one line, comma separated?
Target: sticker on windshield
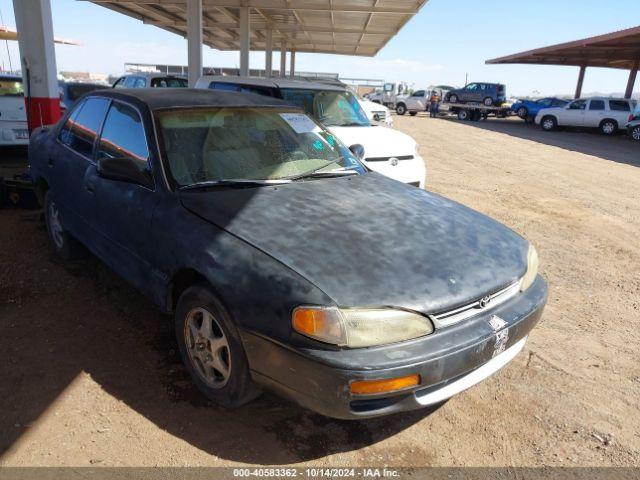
{"x": 300, "y": 122}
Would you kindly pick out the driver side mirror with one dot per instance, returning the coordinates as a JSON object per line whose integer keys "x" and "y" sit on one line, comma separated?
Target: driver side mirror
{"x": 357, "y": 150}
{"x": 124, "y": 169}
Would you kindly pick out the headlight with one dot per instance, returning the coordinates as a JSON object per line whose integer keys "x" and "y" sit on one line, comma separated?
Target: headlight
{"x": 359, "y": 327}
{"x": 532, "y": 269}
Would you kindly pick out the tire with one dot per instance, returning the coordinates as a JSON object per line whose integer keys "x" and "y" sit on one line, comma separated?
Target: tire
{"x": 211, "y": 349}
{"x": 549, "y": 123}
{"x": 463, "y": 115}
{"x": 62, "y": 243}
{"x": 453, "y": 98}
{"x": 635, "y": 133}
{"x": 608, "y": 127}
{"x": 488, "y": 102}
{"x": 523, "y": 113}
{"x": 413, "y": 114}
{"x": 401, "y": 109}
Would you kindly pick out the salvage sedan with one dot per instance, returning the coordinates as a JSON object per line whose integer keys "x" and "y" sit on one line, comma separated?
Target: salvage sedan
{"x": 287, "y": 263}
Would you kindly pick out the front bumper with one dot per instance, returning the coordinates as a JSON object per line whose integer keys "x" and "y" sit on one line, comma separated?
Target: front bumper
{"x": 448, "y": 361}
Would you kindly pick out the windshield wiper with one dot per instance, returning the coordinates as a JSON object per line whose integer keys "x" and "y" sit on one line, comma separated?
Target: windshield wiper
{"x": 233, "y": 183}
{"x": 338, "y": 172}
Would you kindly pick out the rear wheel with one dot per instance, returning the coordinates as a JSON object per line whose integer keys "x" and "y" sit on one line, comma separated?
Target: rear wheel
{"x": 401, "y": 109}
{"x": 463, "y": 114}
{"x": 635, "y": 133}
{"x": 453, "y": 98}
{"x": 549, "y": 123}
{"x": 211, "y": 348}
{"x": 488, "y": 102}
{"x": 608, "y": 126}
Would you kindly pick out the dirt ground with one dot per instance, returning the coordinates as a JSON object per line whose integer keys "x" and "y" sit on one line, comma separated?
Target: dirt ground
{"x": 90, "y": 374}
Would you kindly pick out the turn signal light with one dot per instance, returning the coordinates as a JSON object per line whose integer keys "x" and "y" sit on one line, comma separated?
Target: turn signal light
{"x": 370, "y": 387}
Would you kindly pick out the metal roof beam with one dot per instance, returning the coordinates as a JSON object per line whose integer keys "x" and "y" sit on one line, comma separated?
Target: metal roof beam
{"x": 273, "y": 5}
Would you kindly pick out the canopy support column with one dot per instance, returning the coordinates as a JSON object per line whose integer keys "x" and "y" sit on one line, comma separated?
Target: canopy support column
{"x": 580, "y": 82}
{"x": 268, "y": 54}
{"x": 292, "y": 64}
{"x": 38, "y": 60}
{"x": 632, "y": 79}
{"x": 245, "y": 30}
{"x": 194, "y": 40}
{"x": 283, "y": 59}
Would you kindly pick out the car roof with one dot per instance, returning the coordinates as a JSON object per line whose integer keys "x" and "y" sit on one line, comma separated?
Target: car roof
{"x": 272, "y": 82}
{"x": 152, "y": 75}
{"x": 160, "y": 98}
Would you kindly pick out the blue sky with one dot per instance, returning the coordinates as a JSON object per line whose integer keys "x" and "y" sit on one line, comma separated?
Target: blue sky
{"x": 442, "y": 43}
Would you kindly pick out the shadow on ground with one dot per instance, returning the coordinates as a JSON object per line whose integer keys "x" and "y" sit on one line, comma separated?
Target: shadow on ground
{"x": 60, "y": 319}
{"x": 618, "y": 148}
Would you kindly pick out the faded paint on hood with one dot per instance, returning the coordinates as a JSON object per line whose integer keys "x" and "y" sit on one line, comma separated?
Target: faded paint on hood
{"x": 371, "y": 241}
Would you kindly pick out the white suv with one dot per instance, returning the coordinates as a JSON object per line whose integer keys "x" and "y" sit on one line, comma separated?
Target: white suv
{"x": 607, "y": 114}
{"x": 386, "y": 151}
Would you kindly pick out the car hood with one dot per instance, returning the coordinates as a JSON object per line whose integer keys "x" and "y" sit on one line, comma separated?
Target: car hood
{"x": 377, "y": 141}
{"x": 371, "y": 241}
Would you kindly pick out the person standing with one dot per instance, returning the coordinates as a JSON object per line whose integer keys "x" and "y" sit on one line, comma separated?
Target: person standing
{"x": 434, "y": 104}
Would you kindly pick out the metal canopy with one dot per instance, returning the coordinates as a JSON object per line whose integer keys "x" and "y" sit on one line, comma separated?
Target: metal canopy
{"x": 348, "y": 27}
{"x": 619, "y": 49}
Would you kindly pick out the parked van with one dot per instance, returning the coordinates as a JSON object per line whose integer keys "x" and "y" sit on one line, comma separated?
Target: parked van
{"x": 386, "y": 151}
{"x": 13, "y": 118}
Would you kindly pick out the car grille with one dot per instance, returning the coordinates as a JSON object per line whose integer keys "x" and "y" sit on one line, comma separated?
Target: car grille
{"x": 456, "y": 315}
{"x": 379, "y": 116}
{"x": 386, "y": 159}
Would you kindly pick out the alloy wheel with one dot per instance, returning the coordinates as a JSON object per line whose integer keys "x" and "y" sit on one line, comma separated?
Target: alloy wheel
{"x": 635, "y": 133}
{"x": 55, "y": 225}
{"x": 208, "y": 347}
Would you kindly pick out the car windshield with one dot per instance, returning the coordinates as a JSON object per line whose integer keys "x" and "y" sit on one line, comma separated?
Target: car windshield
{"x": 329, "y": 107}
{"x": 10, "y": 87}
{"x": 261, "y": 144}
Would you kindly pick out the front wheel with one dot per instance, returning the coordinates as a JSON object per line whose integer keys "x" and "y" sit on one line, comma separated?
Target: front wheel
{"x": 523, "y": 113}
{"x": 463, "y": 114}
{"x": 453, "y": 98}
{"x": 401, "y": 109}
{"x": 549, "y": 123}
{"x": 608, "y": 127}
{"x": 63, "y": 244}
{"x": 211, "y": 349}
{"x": 635, "y": 133}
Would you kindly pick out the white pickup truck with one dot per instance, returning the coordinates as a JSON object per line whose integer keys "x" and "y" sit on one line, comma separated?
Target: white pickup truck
{"x": 419, "y": 100}
{"x": 609, "y": 115}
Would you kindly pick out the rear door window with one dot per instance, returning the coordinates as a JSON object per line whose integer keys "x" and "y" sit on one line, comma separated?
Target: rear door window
{"x": 123, "y": 135}
{"x": 169, "y": 82}
{"x": 81, "y": 129}
{"x": 596, "y": 105}
{"x": 619, "y": 105}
